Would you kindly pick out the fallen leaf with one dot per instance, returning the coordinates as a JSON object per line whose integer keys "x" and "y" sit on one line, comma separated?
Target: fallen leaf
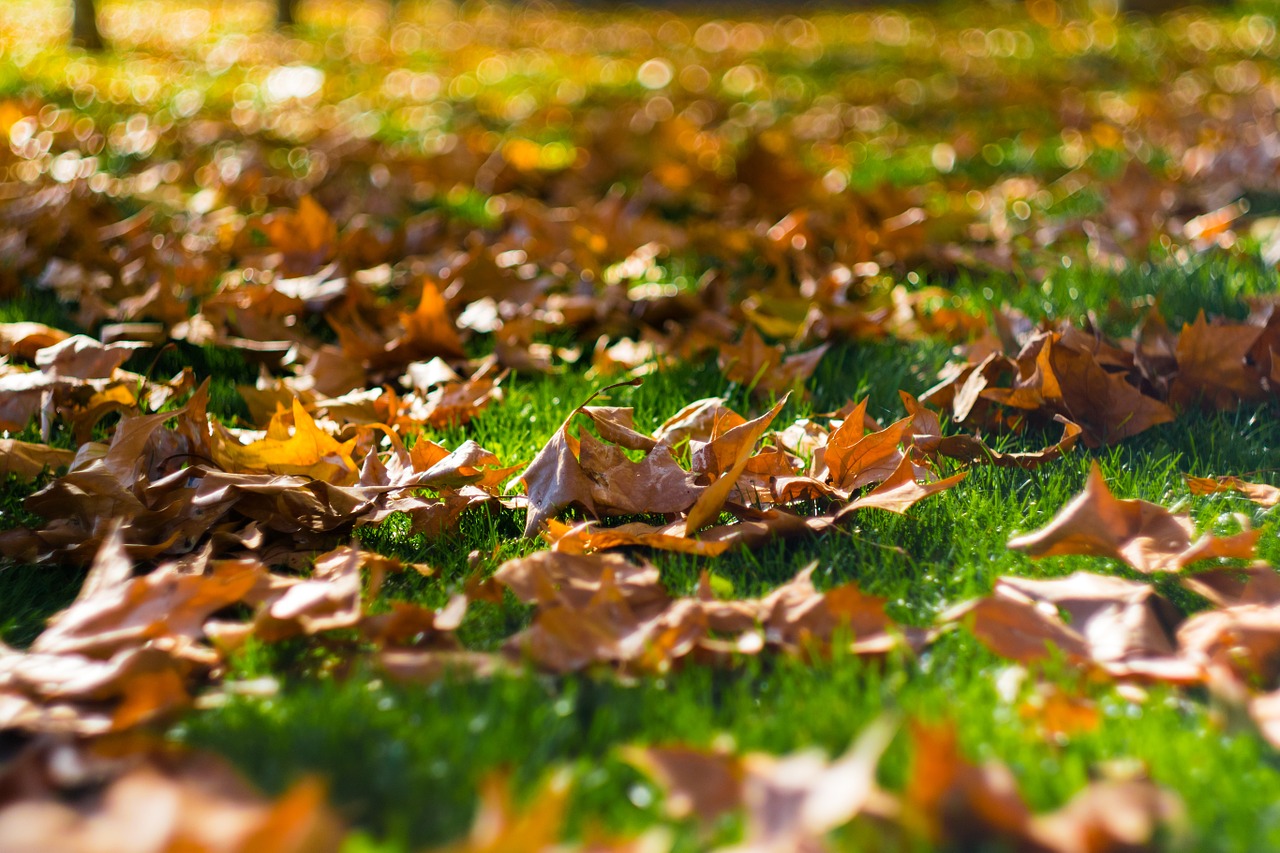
{"x": 1260, "y": 493}
{"x": 164, "y": 802}
{"x": 302, "y": 448}
{"x": 26, "y": 460}
{"x": 1122, "y": 627}
{"x": 900, "y": 491}
{"x": 1143, "y": 535}
{"x": 735, "y": 447}
{"x": 1213, "y": 367}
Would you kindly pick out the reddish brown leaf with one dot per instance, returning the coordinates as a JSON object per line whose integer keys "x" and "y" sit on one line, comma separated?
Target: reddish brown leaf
{"x": 1122, "y": 627}
{"x": 1260, "y": 493}
{"x": 736, "y": 446}
{"x": 900, "y": 491}
{"x": 1213, "y": 365}
{"x": 162, "y": 803}
{"x": 1145, "y": 536}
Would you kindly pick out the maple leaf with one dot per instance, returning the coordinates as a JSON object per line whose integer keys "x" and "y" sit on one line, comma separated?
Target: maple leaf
{"x": 970, "y": 806}
{"x": 160, "y": 801}
{"x": 1104, "y": 404}
{"x": 601, "y": 477}
{"x": 900, "y": 490}
{"x": 1143, "y": 535}
{"x": 1122, "y": 627}
{"x": 428, "y": 332}
{"x": 82, "y": 357}
{"x": 115, "y": 611}
{"x": 329, "y": 599}
{"x": 698, "y": 783}
{"x": 1213, "y": 365}
{"x": 766, "y": 369}
{"x": 72, "y": 693}
{"x": 24, "y": 339}
{"x": 791, "y": 801}
{"x": 1238, "y": 643}
{"x": 1258, "y": 584}
{"x": 306, "y": 237}
{"x": 701, "y": 420}
{"x": 588, "y": 537}
{"x": 303, "y": 449}
{"x": 736, "y": 447}
{"x": 1260, "y": 493}
{"x": 26, "y": 460}
{"x": 927, "y": 437}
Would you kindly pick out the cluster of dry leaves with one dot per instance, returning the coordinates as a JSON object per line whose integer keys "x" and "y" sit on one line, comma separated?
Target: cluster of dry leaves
{"x": 347, "y": 278}
{"x": 1112, "y": 389}
{"x": 191, "y": 527}
{"x": 194, "y": 529}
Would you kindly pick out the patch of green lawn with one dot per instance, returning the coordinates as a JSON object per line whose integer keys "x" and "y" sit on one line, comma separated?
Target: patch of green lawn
{"x": 403, "y": 762}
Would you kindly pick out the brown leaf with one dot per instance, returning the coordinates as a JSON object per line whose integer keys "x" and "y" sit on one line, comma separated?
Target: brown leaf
{"x": 26, "y": 460}
{"x": 865, "y": 459}
{"x": 1243, "y": 641}
{"x": 1104, "y": 404}
{"x": 23, "y": 340}
{"x": 1213, "y": 365}
{"x": 329, "y": 599}
{"x": 959, "y": 802}
{"x": 928, "y": 438}
{"x": 555, "y": 479}
{"x": 736, "y": 447}
{"x": 655, "y": 484}
{"x": 1260, "y": 493}
{"x": 701, "y": 420}
{"x": 900, "y": 491}
{"x": 82, "y": 357}
{"x": 428, "y": 331}
{"x": 1259, "y": 584}
{"x": 1123, "y": 627}
{"x": 1111, "y": 817}
{"x": 162, "y": 803}
{"x": 588, "y": 537}
{"x": 413, "y": 624}
{"x": 115, "y": 612}
{"x": 795, "y": 615}
{"x": 548, "y": 576}
{"x": 1144, "y": 535}
{"x": 794, "y": 801}
{"x": 86, "y": 696}
{"x": 698, "y": 783}
{"x": 306, "y": 237}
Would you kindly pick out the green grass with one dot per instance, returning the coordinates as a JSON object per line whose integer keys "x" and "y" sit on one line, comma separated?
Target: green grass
{"x": 403, "y": 762}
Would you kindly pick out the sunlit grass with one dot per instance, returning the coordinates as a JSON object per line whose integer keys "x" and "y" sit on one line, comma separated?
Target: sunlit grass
{"x": 960, "y": 108}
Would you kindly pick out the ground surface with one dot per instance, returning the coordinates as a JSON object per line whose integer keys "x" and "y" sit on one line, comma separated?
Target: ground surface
{"x": 918, "y": 179}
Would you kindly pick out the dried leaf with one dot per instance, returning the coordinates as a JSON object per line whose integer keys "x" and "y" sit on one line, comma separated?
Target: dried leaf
{"x": 1144, "y": 535}
{"x": 26, "y": 460}
{"x": 1260, "y": 493}
{"x": 736, "y": 445}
